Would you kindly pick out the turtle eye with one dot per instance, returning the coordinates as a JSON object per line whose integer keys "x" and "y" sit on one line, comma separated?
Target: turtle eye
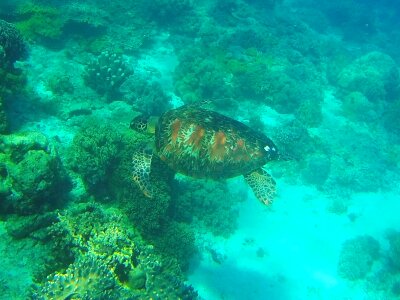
{"x": 139, "y": 124}
{"x": 267, "y": 148}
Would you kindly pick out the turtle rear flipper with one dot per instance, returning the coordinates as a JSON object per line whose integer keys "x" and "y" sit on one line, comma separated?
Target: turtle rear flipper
{"x": 141, "y": 160}
{"x": 262, "y": 184}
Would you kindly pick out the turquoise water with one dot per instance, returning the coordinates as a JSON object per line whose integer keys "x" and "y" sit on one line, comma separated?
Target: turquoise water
{"x": 319, "y": 78}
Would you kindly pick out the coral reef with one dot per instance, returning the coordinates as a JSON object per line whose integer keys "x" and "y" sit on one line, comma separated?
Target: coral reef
{"x": 109, "y": 260}
{"x": 374, "y": 74}
{"x": 390, "y": 119}
{"x": 94, "y": 154}
{"x": 102, "y": 155}
{"x": 199, "y": 77}
{"x": 147, "y": 96}
{"x": 60, "y": 84}
{"x": 358, "y": 108}
{"x": 12, "y": 45}
{"x": 199, "y": 202}
{"x": 12, "y": 48}
{"x": 3, "y": 117}
{"x": 84, "y": 279}
{"x": 41, "y": 23}
{"x": 333, "y": 107}
{"x": 12, "y": 83}
{"x": 360, "y": 164}
{"x": 357, "y": 256}
{"x": 160, "y": 11}
{"x": 107, "y": 73}
{"x": 394, "y": 250}
{"x": 294, "y": 140}
{"x": 89, "y": 14}
{"x": 176, "y": 240}
{"x": 317, "y": 169}
{"x": 309, "y": 112}
{"x": 32, "y": 177}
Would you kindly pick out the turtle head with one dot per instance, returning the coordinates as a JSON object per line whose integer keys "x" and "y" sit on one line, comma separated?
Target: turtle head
{"x": 144, "y": 124}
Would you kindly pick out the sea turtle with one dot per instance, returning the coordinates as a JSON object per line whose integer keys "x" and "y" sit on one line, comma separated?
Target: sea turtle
{"x": 200, "y": 143}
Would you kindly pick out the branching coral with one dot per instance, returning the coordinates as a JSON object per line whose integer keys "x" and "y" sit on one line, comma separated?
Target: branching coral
{"x": 107, "y": 73}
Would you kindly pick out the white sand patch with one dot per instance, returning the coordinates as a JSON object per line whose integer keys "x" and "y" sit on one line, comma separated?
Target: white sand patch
{"x": 290, "y": 251}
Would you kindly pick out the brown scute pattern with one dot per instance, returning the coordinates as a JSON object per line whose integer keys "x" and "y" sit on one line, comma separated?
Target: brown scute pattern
{"x": 141, "y": 160}
{"x": 263, "y": 185}
{"x": 204, "y": 144}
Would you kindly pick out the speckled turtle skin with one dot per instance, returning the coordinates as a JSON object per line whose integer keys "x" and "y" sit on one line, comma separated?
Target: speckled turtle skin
{"x": 204, "y": 144}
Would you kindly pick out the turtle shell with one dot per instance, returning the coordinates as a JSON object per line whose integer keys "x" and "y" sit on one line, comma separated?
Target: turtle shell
{"x": 204, "y": 144}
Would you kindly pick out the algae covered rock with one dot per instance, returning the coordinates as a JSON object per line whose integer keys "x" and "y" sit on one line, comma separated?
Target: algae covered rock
{"x": 32, "y": 176}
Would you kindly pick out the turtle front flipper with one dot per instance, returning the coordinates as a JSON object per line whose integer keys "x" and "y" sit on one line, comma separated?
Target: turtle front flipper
{"x": 141, "y": 160}
{"x": 262, "y": 184}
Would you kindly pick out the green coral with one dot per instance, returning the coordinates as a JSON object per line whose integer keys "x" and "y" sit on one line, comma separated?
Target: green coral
{"x": 95, "y": 153}
{"x": 176, "y": 240}
{"x": 33, "y": 178}
{"x": 214, "y": 73}
{"x": 199, "y": 77}
{"x": 39, "y": 22}
{"x": 102, "y": 155}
